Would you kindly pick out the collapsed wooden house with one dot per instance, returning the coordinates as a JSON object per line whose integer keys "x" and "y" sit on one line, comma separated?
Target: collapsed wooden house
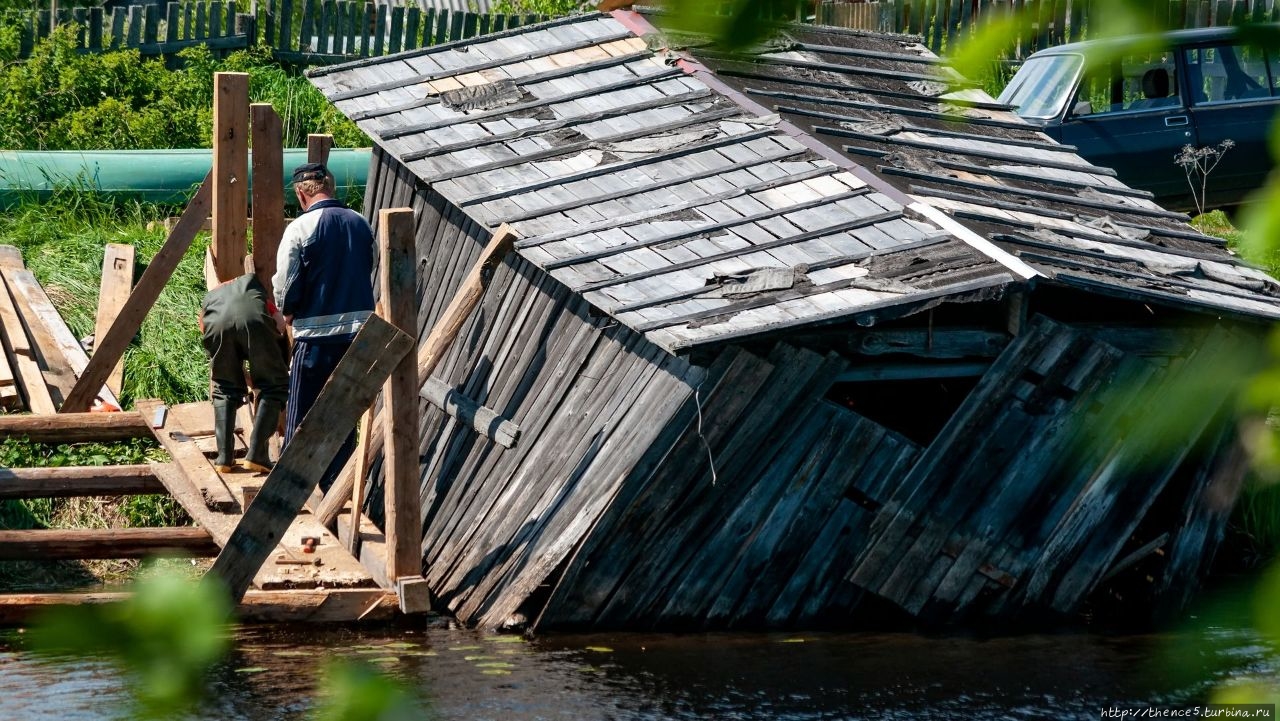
{"x": 793, "y": 336}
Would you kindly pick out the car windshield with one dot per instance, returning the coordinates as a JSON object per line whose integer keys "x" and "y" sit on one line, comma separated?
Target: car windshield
{"x": 1042, "y": 86}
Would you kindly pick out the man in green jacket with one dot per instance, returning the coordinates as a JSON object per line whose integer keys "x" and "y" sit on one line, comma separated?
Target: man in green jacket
{"x": 240, "y": 325}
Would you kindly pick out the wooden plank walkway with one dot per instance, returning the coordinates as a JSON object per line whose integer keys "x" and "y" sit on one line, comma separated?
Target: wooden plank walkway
{"x": 330, "y": 565}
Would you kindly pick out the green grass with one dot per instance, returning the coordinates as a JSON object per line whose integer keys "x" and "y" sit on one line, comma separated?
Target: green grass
{"x": 63, "y": 242}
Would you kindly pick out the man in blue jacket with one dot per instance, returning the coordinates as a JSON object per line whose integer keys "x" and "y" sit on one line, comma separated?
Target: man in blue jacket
{"x": 324, "y": 287}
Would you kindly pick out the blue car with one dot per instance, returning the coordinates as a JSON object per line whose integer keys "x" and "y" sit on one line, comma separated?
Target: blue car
{"x": 1185, "y": 115}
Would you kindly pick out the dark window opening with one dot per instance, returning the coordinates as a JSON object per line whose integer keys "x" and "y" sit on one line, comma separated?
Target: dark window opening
{"x": 918, "y": 408}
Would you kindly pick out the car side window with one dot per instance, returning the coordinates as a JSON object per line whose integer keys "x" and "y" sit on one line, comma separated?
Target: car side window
{"x": 1226, "y": 73}
{"x": 1138, "y": 82}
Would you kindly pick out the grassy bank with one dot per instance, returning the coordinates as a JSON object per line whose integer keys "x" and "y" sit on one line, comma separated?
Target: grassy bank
{"x": 62, "y": 243}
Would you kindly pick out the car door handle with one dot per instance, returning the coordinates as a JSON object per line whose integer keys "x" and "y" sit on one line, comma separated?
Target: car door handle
{"x": 1176, "y": 120}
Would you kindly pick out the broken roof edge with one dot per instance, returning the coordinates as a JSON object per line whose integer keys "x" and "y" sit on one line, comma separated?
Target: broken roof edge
{"x": 640, "y": 25}
{"x": 867, "y": 316}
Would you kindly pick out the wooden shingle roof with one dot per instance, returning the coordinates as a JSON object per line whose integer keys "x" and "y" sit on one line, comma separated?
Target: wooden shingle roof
{"x": 861, "y": 94}
{"x": 654, "y": 191}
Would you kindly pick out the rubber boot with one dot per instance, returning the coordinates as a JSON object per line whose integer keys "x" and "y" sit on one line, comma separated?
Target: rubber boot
{"x": 258, "y": 458}
{"x": 224, "y": 432}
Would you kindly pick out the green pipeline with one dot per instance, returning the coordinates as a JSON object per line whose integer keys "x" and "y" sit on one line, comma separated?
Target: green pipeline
{"x": 157, "y": 176}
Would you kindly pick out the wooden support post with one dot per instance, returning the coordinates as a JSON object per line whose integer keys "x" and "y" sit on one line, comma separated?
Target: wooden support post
{"x": 78, "y": 481}
{"x": 268, "y": 191}
{"x": 109, "y": 348}
{"x": 117, "y": 281}
{"x": 79, "y": 543}
{"x": 374, "y": 354}
{"x": 230, "y": 172}
{"x": 360, "y": 471}
{"x": 432, "y": 350}
{"x": 318, "y": 147}
{"x": 399, "y": 400}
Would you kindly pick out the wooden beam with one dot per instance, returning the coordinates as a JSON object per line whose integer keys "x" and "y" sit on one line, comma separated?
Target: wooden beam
{"x": 374, "y": 353}
{"x": 78, "y": 481}
{"x": 109, "y": 349}
{"x": 230, "y": 172}
{"x": 188, "y": 457}
{"x": 403, "y": 508}
{"x": 63, "y": 345}
{"x": 945, "y": 343}
{"x": 482, "y": 420}
{"x": 286, "y": 606}
{"x": 318, "y": 147}
{"x": 468, "y": 297}
{"x": 47, "y": 544}
{"x": 268, "y": 190}
{"x": 75, "y": 427}
{"x": 22, "y": 356}
{"x": 113, "y": 291}
{"x": 57, "y": 373}
{"x": 912, "y": 371}
{"x": 432, "y": 349}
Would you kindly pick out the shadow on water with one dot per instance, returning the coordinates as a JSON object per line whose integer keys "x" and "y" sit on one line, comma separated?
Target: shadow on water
{"x": 272, "y": 672}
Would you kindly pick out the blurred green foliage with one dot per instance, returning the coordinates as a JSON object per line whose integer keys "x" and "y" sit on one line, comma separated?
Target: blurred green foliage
{"x": 166, "y": 637}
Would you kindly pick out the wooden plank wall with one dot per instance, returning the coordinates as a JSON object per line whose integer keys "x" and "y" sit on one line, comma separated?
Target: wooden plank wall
{"x": 742, "y": 517}
{"x": 302, "y": 32}
{"x": 1035, "y": 485}
{"x": 587, "y": 394}
{"x": 1048, "y": 22}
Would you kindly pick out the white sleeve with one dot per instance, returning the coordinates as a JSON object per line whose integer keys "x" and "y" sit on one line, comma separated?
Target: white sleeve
{"x": 288, "y": 262}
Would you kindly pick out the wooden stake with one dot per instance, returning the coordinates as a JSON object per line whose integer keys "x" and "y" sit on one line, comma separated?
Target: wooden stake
{"x": 318, "y": 147}
{"x": 359, "y": 466}
{"x": 110, "y": 347}
{"x": 268, "y": 190}
{"x": 117, "y": 281}
{"x": 432, "y": 350}
{"x": 374, "y": 354}
{"x": 400, "y": 400}
{"x": 230, "y": 172}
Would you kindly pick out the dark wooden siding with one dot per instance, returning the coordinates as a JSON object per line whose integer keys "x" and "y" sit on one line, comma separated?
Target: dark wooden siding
{"x": 1035, "y": 485}
{"x": 588, "y": 395}
{"x": 739, "y": 519}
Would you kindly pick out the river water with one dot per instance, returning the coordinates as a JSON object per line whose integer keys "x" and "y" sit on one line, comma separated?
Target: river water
{"x": 272, "y": 673}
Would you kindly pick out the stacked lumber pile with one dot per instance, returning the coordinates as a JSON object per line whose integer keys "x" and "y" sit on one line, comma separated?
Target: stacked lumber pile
{"x": 42, "y": 359}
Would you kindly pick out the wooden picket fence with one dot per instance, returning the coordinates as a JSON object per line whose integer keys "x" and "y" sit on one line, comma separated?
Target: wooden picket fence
{"x": 310, "y": 32}
{"x": 301, "y": 32}
{"x": 1045, "y": 22}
